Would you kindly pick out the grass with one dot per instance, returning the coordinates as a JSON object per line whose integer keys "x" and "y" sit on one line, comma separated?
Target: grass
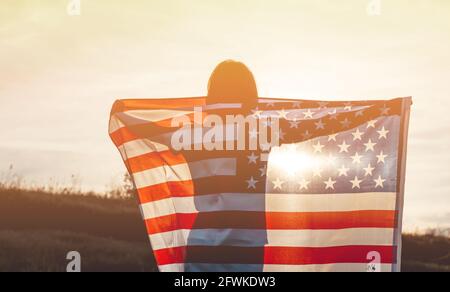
{"x": 38, "y": 229}
{"x": 46, "y": 250}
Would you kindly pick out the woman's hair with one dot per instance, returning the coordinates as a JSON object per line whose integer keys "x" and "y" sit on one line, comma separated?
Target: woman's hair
{"x": 232, "y": 81}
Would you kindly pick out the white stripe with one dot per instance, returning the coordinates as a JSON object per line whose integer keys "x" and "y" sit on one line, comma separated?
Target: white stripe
{"x": 185, "y": 171}
{"x": 162, "y": 174}
{"x": 135, "y": 117}
{"x": 222, "y": 106}
{"x": 140, "y": 147}
{"x": 115, "y": 124}
{"x": 339, "y": 267}
{"x": 331, "y": 202}
{"x": 144, "y": 146}
{"x": 171, "y": 268}
{"x": 276, "y": 238}
{"x": 270, "y": 203}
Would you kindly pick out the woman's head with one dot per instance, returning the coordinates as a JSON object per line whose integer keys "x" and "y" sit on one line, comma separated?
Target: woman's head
{"x": 233, "y": 82}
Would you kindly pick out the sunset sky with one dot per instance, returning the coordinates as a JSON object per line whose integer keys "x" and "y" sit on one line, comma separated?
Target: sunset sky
{"x": 60, "y": 74}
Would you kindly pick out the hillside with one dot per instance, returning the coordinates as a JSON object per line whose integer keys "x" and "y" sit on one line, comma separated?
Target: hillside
{"x": 37, "y": 229}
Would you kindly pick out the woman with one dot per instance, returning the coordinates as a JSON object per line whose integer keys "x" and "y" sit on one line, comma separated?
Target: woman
{"x": 231, "y": 82}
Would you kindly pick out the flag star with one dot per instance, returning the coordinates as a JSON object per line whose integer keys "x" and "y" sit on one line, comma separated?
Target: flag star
{"x": 369, "y": 145}
{"x": 323, "y": 104}
{"x": 296, "y": 104}
{"x": 252, "y": 158}
{"x": 308, "y": 114}
{"x": 332, "y": 137}
{"x": 356, "y": 158}
{"x": 251, "y": 183}
{"x": 356, "y": 182}
{"x": 384, "y": 110}
{"x": 381, "y": 157}
{"x": 282, "y": 114}
{"x": 348, "y": 106}
{"x": 277, "y": 184}
{"x": 345, "y": 123}
{"x": 294, "y": 124}
{"x": 317, "y": 172}
{"x": 371, "y": 124}
{"x": 318, "y": 147}
{"x": 329, "y": 184}
{"x": 343, "y": 170}
{"x": 320, "y": 125}
{"x": 304, "y": 184}
{"x": 263, "y": 170}
{"x": 331, "y": 159}
{"x": 343, "y": 147}
{"x": 359, "y": 113}
{"x": 383, "y": 133}
{"x": 379, "y": 182}
{"x": 333, "y": 114}
{"x": 280, "y": 134}
{"x": 256, "y": 112}
{"x": 357, "y": 135}
{"x": 369, "y": 170}
{"x": 306, "y": 135}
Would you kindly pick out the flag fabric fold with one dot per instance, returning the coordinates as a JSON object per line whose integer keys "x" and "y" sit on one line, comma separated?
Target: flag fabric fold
{"x": 328, "y": 197}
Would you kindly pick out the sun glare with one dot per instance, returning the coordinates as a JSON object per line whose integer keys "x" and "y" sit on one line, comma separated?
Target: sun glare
{"x": 286, "y": 159}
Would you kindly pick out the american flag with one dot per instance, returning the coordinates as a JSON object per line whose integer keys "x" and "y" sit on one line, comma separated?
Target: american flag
{"x": 329, "y": 198}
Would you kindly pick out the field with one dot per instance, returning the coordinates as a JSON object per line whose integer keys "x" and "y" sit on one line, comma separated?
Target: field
{"x": 38, "y": 229}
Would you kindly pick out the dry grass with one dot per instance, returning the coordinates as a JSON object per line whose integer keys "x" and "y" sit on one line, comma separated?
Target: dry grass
{"x": 38, "y": 228}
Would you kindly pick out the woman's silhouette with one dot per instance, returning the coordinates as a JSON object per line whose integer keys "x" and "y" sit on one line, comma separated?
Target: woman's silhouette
{"x": 231, "y": 82}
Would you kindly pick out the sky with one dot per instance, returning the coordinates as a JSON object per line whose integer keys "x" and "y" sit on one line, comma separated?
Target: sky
{"x": 60, "y": 74}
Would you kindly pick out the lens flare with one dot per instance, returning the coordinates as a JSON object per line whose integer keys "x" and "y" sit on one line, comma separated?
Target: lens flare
{"x": 290, "y": 161}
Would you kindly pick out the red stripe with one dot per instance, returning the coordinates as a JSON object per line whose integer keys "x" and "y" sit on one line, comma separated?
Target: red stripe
{"x": 166, "y": 103}
{"x": 272, "y": 255}
{"x": 202, "y": 186}
{"x": 166, "y": 190}
{"x": 272, "y": 220}
{"x": 122, "y": 135}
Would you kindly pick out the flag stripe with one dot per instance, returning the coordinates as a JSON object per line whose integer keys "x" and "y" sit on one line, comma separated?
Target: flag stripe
{"x": 272, "y": 220}
{"x": 140, "y": 147}
{"x": 123, "y": 105}
{"x": 272, "y": 255}
{"x": 335, "y": 267}
{"x": 185, "y": 171}
{"x": 262, "y": 237}
{"x": 270, "y": 203}
{"x": 136, "y": 117}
